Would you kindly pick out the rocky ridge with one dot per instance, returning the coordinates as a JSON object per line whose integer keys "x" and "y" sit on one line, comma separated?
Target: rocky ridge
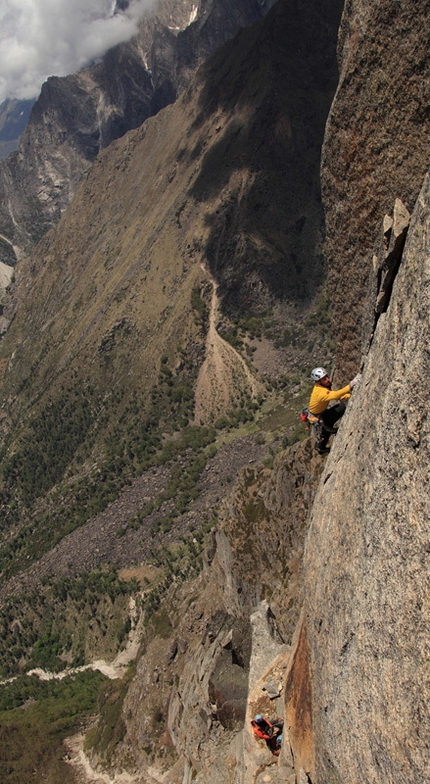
{"x": 159, "y": 204}
{"x": 223, "y": 655}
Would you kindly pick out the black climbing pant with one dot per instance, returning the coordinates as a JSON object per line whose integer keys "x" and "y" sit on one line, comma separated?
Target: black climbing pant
{"x": 329, "y": 417}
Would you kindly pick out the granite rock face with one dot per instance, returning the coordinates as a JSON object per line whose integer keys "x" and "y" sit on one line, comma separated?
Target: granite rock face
{"x": 385, "y": 264}
{"x": 366, "y": 557}
{"x": 376, "y": 147}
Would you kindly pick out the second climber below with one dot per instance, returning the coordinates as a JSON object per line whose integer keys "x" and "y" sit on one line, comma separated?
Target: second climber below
{"x": 322, "y": 395}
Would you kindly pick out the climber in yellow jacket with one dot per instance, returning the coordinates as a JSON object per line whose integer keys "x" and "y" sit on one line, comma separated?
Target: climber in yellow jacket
{"x": 322, "y": 395}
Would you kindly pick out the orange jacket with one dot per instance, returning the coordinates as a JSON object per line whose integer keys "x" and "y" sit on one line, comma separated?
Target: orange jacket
{"x": 263, "y": 731}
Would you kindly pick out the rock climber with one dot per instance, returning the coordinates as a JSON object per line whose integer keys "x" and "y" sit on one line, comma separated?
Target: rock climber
{"x": 270, "y": 731}
{"x": 322, "y": 395}
{"x": 275, "y": 744}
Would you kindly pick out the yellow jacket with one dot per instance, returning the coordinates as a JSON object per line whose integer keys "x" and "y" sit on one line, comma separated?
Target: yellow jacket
{"x": 321, "y": 397}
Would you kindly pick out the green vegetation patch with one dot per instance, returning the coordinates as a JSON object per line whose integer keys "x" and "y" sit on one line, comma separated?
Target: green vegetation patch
{"x": 65, "y": 432}
{"x": 110, "y": 729}
{"x": 235, "y": 331}
{"x": 66, "y": 621}
{"x": 199, "y": 306}
{"x": 48, "y": 446}
{"x": 54, "y": 437}
{"x": 35, "y": 717}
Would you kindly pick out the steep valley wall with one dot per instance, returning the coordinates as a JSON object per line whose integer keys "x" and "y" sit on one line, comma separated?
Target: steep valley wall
{"x": 226, "y": 637}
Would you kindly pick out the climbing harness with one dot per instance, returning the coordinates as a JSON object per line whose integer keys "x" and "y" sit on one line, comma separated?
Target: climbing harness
{"x": 315, "y": 422}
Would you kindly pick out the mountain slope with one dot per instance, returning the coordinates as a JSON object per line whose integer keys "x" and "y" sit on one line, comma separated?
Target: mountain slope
{"x": 13, "y": 119}
{"x": 111, "y": 291}
{"x": 77, "y": 116}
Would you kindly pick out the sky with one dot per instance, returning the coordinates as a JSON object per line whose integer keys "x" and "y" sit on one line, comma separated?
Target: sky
{"x": 41, "y": 38}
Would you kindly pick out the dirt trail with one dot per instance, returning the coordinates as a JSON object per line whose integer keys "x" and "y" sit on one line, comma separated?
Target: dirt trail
{"x": 116, "y": 669}
{"x": 224, "y": 374}
{"x": 6, "y": 272}
{"x": 75, "y": 756}
{"x": 86, "y": 774}
{"x": 83, "y": 770}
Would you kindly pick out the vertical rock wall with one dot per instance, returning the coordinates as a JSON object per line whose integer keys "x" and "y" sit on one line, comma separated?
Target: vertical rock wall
{"x": 366, "y": 557}
{"x": 376, "y": 146}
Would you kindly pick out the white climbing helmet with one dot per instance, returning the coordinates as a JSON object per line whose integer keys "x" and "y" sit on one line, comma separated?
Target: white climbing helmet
{"x": 318, "y": 373}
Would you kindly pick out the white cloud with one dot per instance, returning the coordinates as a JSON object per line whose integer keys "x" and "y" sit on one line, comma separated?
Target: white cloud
{"x": 41, "y": 38}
